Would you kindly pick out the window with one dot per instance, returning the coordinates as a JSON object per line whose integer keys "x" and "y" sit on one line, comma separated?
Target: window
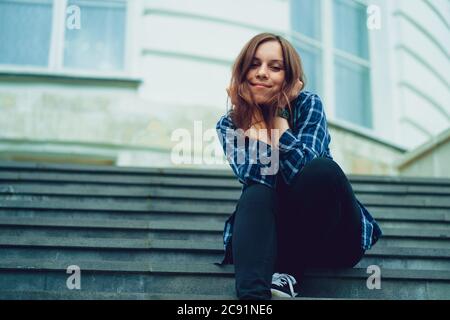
{"x": 312, "y": 65}
{"x": 25, "y": 31}
{"x": 35, "y": 33}
{"x": 350, "y": 30}
{"x": 305, "y": 17}
{"x": 333, "y": 43}
{"x": 305, "y": 20}
{"x": 353, "y": 98}
{"x": 100, "y": 42}
{"x": 352, "y": 73}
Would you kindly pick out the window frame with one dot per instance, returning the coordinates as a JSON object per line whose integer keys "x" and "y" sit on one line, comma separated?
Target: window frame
{"x": 56, "y": 51}
{"x": 328, "y": 55}
{"x": 352, "y": 59}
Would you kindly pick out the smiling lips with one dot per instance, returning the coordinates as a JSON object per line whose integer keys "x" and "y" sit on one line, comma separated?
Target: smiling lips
{"x": 259, "y": 85}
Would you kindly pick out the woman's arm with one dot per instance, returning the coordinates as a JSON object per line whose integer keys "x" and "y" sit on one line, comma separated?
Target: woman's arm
{"x": 245, "y": 153}
{"x": 258, "y": 131}
{"x": 280, "y": 124}
{"x": 311, "y": 140}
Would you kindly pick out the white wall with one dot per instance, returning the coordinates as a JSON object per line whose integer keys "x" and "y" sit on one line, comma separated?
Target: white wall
{"x": 186, "y": 82}
{"x": 421, "y": 54}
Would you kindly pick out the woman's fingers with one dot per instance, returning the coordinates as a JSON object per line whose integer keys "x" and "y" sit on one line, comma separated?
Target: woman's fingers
{"x": 299, "y": 85}
{"x": 296, "y": 90}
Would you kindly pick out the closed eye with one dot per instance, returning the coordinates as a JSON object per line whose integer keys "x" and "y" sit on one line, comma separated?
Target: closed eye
{"x": 276, "y": 68}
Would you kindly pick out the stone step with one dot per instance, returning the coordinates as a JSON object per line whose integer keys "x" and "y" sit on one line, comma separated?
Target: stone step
{"x": 109, "y": 188}
{"x": 176, "y": 230}
{"x": 188, "y": 245}
{"x": 155, "y": 233}
{"x": 163, "y": 204}
{"x": 25, "y": 191}
{"x": 137, "y": 277}
{"x": 29, "y": 167}
{"x": 98, "y": 295}
{"x": 188, "y": 251}
{"x": 437, "y": 218}
{"x": 100, "y": 186}
{"x": 71, "y": 255}
{"x": 186, "y": 226}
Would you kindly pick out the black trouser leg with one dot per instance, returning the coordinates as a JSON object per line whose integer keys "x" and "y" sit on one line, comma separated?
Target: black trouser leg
{"x": 254, "y": 242}
{"x": 314, "y": 222}
{"x": 320, "y": 222}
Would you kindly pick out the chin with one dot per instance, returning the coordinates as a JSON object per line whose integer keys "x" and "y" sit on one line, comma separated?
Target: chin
{"x": 261, "y": 101}
{"x": 259, "y": 98}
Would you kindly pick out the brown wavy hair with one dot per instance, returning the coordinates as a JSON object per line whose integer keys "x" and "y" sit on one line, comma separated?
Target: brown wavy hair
{"x": 244, "y": 105}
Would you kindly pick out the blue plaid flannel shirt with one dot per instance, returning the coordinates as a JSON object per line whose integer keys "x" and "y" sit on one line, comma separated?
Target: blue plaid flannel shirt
{"x": 308, "y": 140}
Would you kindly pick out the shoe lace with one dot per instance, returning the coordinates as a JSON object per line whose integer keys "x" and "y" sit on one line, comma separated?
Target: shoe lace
{"x": 282, "y": 279}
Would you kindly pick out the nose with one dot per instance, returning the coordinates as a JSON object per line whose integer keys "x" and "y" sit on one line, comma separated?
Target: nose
{"x": 261, "y": 73}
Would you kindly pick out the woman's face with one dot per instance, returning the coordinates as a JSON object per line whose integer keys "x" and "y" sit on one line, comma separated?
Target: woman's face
{"x": 266, "y": 74}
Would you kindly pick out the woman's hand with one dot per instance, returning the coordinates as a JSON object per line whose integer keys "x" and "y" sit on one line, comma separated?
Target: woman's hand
{"x": 296, "y": 90}
{"x": 281, "y": 124}
{"x": 258, "y": 131}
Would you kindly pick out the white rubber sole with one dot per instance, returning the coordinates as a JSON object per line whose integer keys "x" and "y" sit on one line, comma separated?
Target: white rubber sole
{"x": 281, "y": 294}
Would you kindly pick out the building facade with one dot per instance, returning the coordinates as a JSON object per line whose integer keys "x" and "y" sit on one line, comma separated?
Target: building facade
{"x": 119, "y": 82}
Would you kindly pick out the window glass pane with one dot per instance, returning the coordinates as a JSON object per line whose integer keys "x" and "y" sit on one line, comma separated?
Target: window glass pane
{"x": 305, "y": 17}
{"x": 350, "y": 29}
{"x": 311, "y": 61}
{"x": 100, "y": 42}
{"x": 353, "y": 100}
{"x": 25, "y": 32}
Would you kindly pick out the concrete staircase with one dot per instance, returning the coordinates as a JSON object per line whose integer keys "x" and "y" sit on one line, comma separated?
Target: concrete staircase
{"x": 155, "y": 234}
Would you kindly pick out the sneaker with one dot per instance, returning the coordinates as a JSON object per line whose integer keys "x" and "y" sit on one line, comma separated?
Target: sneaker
{"x": 283, "y": 285}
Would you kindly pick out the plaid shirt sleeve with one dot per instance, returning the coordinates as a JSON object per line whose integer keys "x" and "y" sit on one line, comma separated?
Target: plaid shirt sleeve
{"x": 251, "y": 160}
{"x": 310, "y": 140}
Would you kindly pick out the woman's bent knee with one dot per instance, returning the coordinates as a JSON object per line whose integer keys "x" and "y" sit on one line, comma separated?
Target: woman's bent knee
{"x": 258, "y": 196}
{"x": 324, "y": 164}
{"x": 321, "y": 171}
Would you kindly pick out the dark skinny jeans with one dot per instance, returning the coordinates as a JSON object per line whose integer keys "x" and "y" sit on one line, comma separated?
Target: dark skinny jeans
{"x": 313, "y": 223}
